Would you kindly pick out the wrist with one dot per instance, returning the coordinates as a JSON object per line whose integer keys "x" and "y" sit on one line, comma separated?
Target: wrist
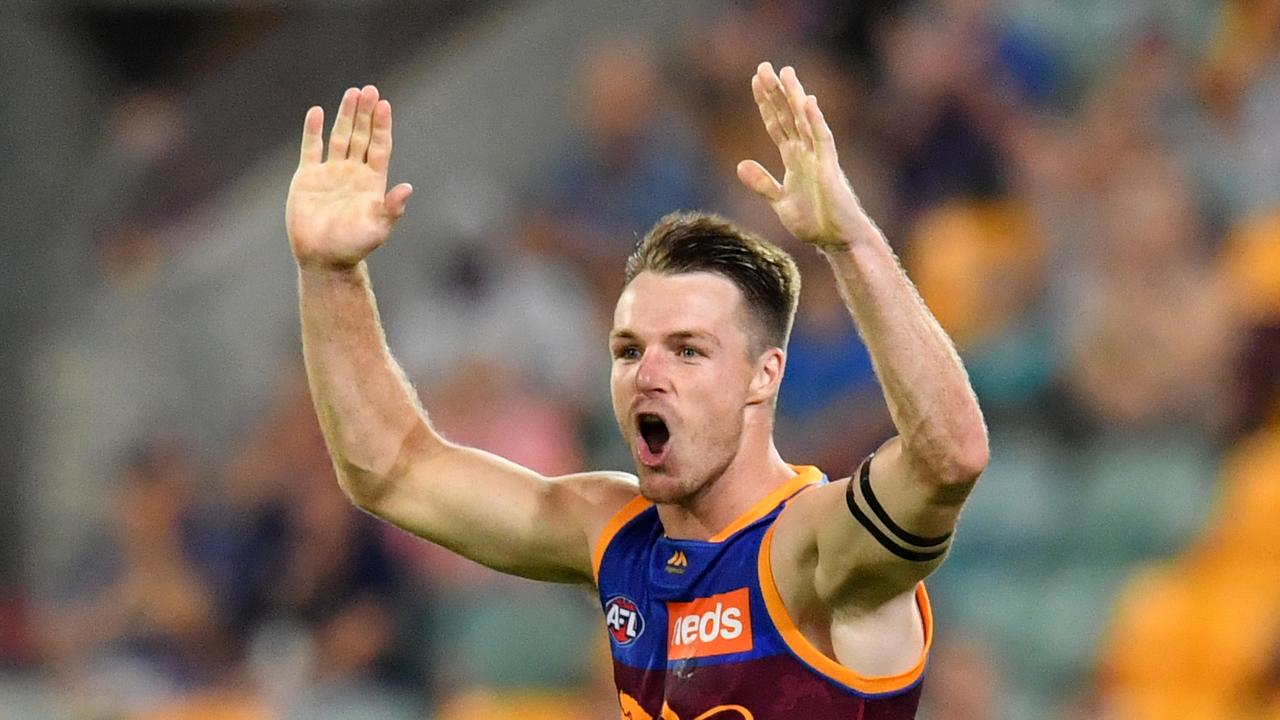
{"x": 860, "y": 232}
{"x": 330, "y": 271}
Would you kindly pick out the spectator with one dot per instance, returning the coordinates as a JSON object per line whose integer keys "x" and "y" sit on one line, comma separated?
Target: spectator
{"x": 145, "y": 629}
{"x": 636, "y": 160}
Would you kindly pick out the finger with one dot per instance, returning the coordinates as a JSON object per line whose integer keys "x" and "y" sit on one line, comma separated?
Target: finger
{"x": 796, "y": 99}
{"x": 312, "y": 141}
{"x": 770, "y": 118}
{"x": 824, "y": 142}
{"x": 396, "y": 199}
{"x": 360, "y": 134}
{"x": 340, "y": 136}
{"x": 778, "y": 99}
{"x": 380, "y": 139}
{"x": 758, "y": 180}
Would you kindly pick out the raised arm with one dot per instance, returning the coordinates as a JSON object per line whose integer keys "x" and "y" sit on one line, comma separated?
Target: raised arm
{"x": 388, "y": 459}
{"x": 919, "y": 479}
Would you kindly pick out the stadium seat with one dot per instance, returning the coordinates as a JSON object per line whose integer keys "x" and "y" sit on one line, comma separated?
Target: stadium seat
{"x": 1251, "y": 267}
{"x": 1142, "y": 496}
{"x": 530, "y": 640}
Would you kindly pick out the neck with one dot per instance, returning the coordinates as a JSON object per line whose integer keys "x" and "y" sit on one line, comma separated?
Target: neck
{"x": 753, "y": 473}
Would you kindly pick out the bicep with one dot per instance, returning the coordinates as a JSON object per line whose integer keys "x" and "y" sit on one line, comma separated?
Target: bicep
{"x": 501, "y": 514}
{"x": 912, "y": 508}
{"x": 880, "y": 532}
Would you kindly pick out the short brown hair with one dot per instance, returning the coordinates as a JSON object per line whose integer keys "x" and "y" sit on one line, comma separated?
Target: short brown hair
{"x": 687, "y": 242}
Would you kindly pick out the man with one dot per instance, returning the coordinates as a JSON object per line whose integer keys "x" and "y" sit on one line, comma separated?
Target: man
{"x": 733, "y": 584}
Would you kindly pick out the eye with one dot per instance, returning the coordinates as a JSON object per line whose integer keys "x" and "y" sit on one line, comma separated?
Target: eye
{"x": 689, "y": 352}
{"x": 627, "y": 352}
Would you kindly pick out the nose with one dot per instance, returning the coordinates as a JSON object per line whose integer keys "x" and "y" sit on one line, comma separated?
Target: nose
{"x": 651, "y": 373}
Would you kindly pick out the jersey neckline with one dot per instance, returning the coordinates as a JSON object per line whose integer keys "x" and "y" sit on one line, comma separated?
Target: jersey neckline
{"x": 806, "y": 475}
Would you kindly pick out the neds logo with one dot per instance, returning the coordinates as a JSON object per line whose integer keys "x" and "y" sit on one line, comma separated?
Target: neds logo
{"x": 623, "y": 619}
{"x": 714, "y": 625}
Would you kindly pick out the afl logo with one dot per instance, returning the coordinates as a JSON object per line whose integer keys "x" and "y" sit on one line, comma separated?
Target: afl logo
{"x": 623, "y": 619}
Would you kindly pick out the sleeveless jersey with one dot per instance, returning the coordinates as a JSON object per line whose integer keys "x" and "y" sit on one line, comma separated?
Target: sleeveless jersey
{"x": 699, "y": 632}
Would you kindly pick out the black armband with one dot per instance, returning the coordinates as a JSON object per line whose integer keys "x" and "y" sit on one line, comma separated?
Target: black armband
{"x": 886, "y": 532}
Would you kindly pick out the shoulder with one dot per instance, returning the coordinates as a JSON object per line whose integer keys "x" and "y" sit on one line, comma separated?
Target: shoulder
{"x": 821, "y": 556}
{"x": 599, "y": 496}
{"x": 609, "y": 501}
{"x": 793, "y": 546}
{"x": 882, "y": 631}
{"x": 797, "y": 523}
{"x": 604, "y": 492}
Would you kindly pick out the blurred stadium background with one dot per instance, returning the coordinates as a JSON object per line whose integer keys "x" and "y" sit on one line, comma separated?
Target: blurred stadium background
{"x": 1086, "y": 191}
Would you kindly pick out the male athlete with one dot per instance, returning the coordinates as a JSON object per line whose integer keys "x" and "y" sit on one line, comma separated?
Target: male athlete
{"x": 733, "y": 584}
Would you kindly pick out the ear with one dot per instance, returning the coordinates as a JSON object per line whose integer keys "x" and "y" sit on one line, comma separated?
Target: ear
{"x": 767, "y": 377}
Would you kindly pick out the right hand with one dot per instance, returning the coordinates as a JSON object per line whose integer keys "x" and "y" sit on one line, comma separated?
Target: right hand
{"x": 339, "y": 209}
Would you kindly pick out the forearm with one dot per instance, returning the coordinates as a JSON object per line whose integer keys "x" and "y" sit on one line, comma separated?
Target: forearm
{"x": 924, "y": 383}
{"x": 392, "y": 464}
{"x": 367, "y": 410}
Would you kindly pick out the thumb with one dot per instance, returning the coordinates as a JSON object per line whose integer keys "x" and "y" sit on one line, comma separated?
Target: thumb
{"x": 395, "y": 201}
{"x": 758, "y": 180}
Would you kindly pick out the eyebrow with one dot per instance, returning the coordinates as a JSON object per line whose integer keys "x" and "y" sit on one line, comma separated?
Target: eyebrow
{"x": 624, "y": 334}
{"x": 696, "y": 335}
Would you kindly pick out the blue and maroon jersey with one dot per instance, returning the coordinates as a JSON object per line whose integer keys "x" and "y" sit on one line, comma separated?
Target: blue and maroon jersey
{"x": 699, "y": 632}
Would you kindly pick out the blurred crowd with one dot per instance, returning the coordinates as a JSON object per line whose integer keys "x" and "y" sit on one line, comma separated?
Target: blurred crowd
{"x": 1089, "y": 201}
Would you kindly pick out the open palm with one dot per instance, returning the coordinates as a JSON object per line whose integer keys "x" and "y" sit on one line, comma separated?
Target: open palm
{"x": 814, "y": 200}
{"x": 339, "y": 209}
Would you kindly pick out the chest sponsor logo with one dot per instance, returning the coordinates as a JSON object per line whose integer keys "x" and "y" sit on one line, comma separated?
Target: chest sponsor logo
{"x": 623, "y": 619}
{"x": 715, "y": 625}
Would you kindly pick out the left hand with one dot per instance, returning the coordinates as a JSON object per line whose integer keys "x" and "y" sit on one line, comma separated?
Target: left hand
{"x": 814, "y": 201}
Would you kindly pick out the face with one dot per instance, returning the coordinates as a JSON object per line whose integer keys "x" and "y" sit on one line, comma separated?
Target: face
{"x": 683, "y": 379}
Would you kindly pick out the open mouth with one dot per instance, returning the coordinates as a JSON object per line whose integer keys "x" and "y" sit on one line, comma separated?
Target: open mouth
{"x": 654, "y": 436}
